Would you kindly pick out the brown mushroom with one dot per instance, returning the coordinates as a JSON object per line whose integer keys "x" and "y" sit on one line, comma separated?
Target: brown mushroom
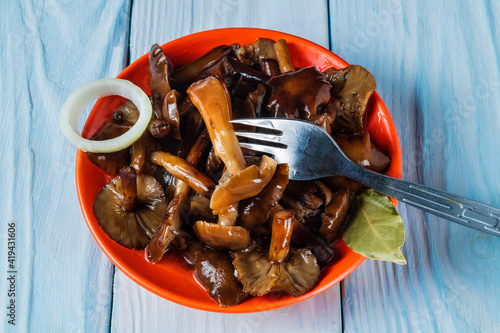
{"x": 336, "y": 213}
{"x": 254, "y": 53}
{"x": 214, "y": 165}
{"x": 130, "y": 216}
{"x": 158, "y": 81}
{"x": 298, "y": 94}
{"x": 270, "y": 67}
{"x": 283, "y": 56}
{"x": 184, "y": 171}
{"x": 278, "y": 270}
{"x": 211, "y": 98}
{"x": 183, "y": 76}
{"x": 213, "y": 101}
{"x": 222, "y": 237}
{"x": 245, "y": 184}
{"x": 172, "y": 220}
{"x": 324, "y": 121}
{"x": 216, "y": 273}
{"x": 191, "y": 129}
{"x": 306, "y": 192}
{"x": 254, "y": 211}
{"x": 304, "y": 238}
{"x": 352, "y": 88}
{"x": 111, "y": 162}
{"x": 170, "y": 113}
{"x": 123, "y": 119}
{"x": 259, "y": 100}
{"x": 362, "y": 151}
{"x": 200, "y": 209}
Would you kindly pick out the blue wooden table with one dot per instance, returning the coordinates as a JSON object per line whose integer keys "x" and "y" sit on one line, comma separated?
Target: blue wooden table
{"x": 437, "y": 68}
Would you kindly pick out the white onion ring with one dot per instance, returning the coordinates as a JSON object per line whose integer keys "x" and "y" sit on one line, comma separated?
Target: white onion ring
{"x": 73, "y": 108}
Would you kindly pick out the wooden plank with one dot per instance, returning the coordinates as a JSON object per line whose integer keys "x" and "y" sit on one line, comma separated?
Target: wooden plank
{"x": 63, "y": 280}
{"x": 135, "y": 309}
{"x": 138, "y": 310}
{"x": 436, "y": 65}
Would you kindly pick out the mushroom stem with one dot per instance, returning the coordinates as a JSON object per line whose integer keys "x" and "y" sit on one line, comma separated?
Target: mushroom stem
{"x": 181, "y": 169}
{"x": 138, "y": 154}
{"x": 281, "y": 49}
{"x": 129, "y": 188}
{"x": 213, "y": 101}
{"x": 281, "y": 234}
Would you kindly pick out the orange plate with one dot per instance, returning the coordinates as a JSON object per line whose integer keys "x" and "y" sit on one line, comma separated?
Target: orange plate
{"x": 171, "y": 278}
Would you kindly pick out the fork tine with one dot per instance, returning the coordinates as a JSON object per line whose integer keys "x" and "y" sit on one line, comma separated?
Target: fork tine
{"x": 259, "y": 136}
{"x": 276, "y": 152}
{"x": 264, "y": 123}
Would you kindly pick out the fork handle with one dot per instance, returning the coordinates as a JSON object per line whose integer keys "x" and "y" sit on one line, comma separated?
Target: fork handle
{"x": 467, "y": 212}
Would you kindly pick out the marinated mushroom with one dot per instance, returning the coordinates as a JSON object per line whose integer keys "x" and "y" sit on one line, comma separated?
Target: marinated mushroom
{"x": 254, "y": 211}
{"x": 185, "y": 75}
{"x": 336, "y": 213}
{"x": 355, "y": 85}
{"x": 222, "y": 237}
{"x": 254, "y": 53}
{"x": 184, "y": 171}
{"x": 245, "y": 184}
{"x": 212, "y": 99}
{"x": 298, "y": 94}
{"x": 129, "y": 208}
{"x": 111, "y": 162}
{"x": 283, "y": 56}
{"x": 254, "y": 80}
{"x": 362, "y": 151}
{"x": 280, "y": 269}
{"x": 170, "y": 113}
{"x": 214, "y": 270}
{"x": 172, "y": 219}
{"x": 158, "y": 81}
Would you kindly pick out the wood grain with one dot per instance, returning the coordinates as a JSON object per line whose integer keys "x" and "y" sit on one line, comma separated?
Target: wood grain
{"x": 48, "y": 50}
{"x": 436, "y": 65}
{"x": 437, "y": 68}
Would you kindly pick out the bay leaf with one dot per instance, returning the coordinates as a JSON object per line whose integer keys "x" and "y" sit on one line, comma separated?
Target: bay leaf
{"x": 375, "y": 229}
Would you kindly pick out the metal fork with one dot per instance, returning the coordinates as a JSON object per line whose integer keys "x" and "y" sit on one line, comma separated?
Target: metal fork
{"x": 312, "y": 153}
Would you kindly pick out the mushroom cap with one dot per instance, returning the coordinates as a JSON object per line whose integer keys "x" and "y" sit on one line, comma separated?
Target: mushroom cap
{"x": 262, "y": 48}
{"x": 254, "y": 211}
{"x": 260, "y": 277}
{"x": 215, "y": 271}
{"x": 111, "y": 162}
{"x": 362, "y": 151}
{"x": 298, "y": 94}
{"x": 130, "y": 229}
{"x": 245, "y": 184}
{"x": 354, "y": 85}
